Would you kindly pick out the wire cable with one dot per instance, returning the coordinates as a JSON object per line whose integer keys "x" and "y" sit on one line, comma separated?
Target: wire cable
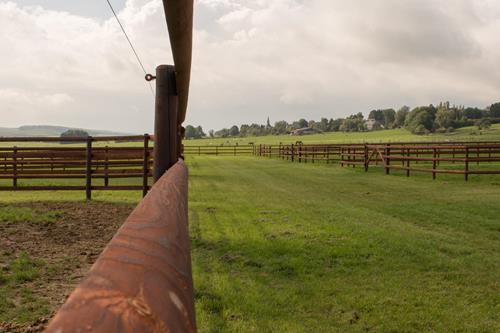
{"x": 130, "y": 43}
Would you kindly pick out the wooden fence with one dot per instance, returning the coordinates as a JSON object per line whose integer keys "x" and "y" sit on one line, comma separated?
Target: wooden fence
{"x": 76, "y": 162}
{"x": 220, "y": 150}
{"x": 463, "y": 158}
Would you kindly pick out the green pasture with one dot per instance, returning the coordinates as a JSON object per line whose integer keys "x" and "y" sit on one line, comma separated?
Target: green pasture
{"x": 281, "y": 247}
{"x": 289, "y": 247}
{"x": 395, "y": 135}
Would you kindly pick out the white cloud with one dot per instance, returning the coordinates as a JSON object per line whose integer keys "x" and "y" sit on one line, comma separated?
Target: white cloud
{"x": 252, "y": 58}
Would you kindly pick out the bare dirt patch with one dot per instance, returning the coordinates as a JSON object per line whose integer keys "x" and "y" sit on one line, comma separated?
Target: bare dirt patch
{"x": 65, "y": 238}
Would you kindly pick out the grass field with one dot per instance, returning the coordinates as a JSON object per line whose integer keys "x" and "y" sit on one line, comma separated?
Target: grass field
{"x": 282, "y": 247}
{"x": 461, "y": 134}
{"x": 394, "y": 135}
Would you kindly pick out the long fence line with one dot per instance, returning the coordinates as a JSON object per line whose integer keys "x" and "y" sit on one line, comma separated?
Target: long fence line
{"x": 86, "y": 162}
{"x": 463, "y": 158}
{"x": 100, "y": 165}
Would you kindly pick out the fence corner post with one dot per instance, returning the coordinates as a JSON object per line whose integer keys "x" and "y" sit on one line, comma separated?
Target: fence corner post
{"x": 167, "y": 130}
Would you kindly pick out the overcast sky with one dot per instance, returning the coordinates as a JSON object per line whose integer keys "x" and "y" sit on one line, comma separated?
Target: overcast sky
{"x": 67, "y": 63}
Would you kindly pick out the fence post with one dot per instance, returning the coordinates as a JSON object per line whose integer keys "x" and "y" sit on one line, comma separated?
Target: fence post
{"x": 434, "y": 164}
{"x": 88, "y": 170}
{"x": 354, "y": 157}
{"x": 408, "y": 163}
{"x": 387, "y": 159}
{"x": 199, "y": 150}
{"x": 14, "y": 164}
{"x": 292, "y": 152}
{"x": 167, "y": 130}
{"x": 234, "y": 150}
{"x": 106, "y": 166}
{"x": 366, "y": 158}
{"x": 145, "y": 166}
{"x": 466, "y": 171}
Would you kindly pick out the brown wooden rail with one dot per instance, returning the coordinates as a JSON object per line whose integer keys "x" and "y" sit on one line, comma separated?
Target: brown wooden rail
{"x": 463, "y": 158}
{"x": 81, "y": 162}
{"x": 220, "y": 150}
{"x": 142, "y": 281}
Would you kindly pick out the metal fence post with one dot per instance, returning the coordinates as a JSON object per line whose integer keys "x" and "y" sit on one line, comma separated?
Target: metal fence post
{"x": 167, "y": 130}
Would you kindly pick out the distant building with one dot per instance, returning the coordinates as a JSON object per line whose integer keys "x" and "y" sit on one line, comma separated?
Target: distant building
{"x": 305, "y": 131}
{"x": 372, "y": 124}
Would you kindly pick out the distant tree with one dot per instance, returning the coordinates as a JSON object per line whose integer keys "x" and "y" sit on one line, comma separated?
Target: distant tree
{"x": 389, "y": 118}
{"x": 484, "y": 123}
{"x": 234, "y": 131}
{"x": 223, "y": 133}
{"x": 334, "y": 124}
{"x": 399, "y": 120}
{"x": 422, "y": 115}
{"x": 495, "y": 110}
{"x": 386, "y": 117}
{"x": 474, "y": 113}
{"x": 377, "y": 115}
{"x": 323, "y": 125}
{"x": 353, "y": 123}
{"x": 199, "y": 129}
{"x": 244, "y": 130}
{"x": 72, "y": 133}
{"x": 268, "y": 123}
{"x": 280, "y": 127}
{"x": 303, "y": 123}
{"x": 444, "y": 118}
{"x": 211, "y": 133}
{"x": 312, "y": 124}
{"x": 192, "y": 132}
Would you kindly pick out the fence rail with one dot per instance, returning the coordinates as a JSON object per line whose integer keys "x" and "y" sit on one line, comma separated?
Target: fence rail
{"x": 465, "y": 158}
{"x": 142, "y": 281}
{"x": 220, "y": 150}
{"x": 83, "y": 162}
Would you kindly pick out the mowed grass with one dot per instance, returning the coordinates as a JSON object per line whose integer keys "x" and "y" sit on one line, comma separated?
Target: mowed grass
{"x": 282, "y": 247}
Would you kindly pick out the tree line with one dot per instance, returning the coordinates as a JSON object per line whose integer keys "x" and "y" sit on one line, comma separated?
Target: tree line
{"x": 419, "y": 120}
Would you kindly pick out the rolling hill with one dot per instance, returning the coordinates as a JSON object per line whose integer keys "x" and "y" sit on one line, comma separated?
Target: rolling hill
{"x": 49, "y": 130}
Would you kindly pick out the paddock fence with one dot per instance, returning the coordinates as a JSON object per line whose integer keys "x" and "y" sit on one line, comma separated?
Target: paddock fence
{"x": 76, "y": 158}
{"x": 460, "y": 158}
{"x": 220, "y": 150}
